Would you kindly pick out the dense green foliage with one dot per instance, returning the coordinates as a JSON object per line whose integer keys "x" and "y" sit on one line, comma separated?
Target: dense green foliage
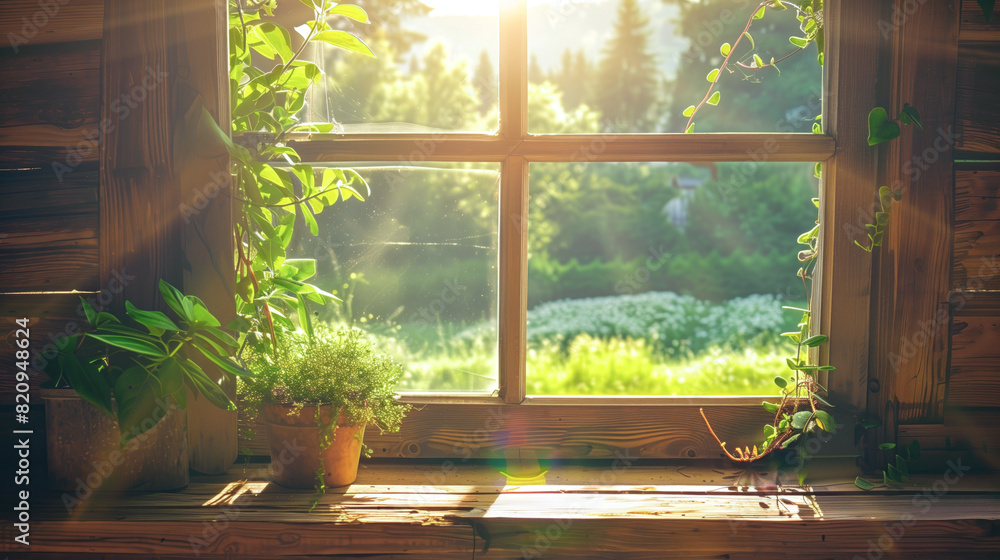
{"x": 146, "y": 361}
{"x": 336, "y": 366}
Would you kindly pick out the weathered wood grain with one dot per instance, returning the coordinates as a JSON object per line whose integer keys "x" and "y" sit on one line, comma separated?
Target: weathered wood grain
{"x": 140, "y": 225}
{"x": 71, "y": 112}
{"x": 977, "y": 193}
{"x": 243, "y": 514}
{"x": 975, "y": 362}
{"x": 910, "y": 317}
{"x": 29, "y": 22}
{"x": 974, "y": 25}
{"x": 977, "y": 115}
{"x": 199, "y": 28}
{"x": 843, "y": 291}
{"x": 572, "y": 431}
{"x": 976, "y": 264}
{"x": 52, "y": 253}
{"x": 58, "y": 71}
{"x": 566, "y": 147}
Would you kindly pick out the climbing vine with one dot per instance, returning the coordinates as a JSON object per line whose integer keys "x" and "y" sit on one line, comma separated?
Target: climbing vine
{"x": 802, "y": 410}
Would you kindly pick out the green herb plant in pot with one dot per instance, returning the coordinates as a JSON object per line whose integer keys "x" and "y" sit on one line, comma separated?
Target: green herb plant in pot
{"x": 317, "y": 393}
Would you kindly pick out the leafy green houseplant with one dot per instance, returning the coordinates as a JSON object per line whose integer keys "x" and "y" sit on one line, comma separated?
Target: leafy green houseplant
{"x": 127, "y": 369}
{"x": 317, "y": 393}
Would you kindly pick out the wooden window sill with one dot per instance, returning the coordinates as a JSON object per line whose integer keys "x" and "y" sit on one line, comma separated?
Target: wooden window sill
{"x": 438, "y": 510}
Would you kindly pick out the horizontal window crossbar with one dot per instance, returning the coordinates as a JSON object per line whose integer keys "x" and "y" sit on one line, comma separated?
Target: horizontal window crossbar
{"x": 567, "y": 147}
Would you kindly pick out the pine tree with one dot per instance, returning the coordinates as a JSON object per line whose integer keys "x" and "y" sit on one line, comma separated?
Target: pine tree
{"x": 626, "y": 88}
{"x": 535, "y": 73}
{"x": 485, "y": 83}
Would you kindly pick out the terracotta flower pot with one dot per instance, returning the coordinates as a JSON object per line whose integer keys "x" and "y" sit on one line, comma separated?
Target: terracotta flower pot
{"x": 294, "y": 437}
{"x": 84, "y": 453}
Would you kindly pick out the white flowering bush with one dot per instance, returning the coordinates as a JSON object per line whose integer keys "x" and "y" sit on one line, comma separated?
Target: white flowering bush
{"x": 662, "y": 319}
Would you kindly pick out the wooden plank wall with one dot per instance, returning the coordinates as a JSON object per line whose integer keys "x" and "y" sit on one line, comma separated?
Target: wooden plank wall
{"x": 972, "y": 401}
{"x": 50, "y": 74}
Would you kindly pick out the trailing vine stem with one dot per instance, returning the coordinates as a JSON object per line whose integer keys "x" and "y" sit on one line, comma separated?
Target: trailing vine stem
{"x": 812, "y": 26}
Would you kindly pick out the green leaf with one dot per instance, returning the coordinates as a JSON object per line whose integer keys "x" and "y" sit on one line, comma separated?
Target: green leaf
{"x": 757, "y": 62}
{"x": 689, "y": 129}
{"x": 132, "y": 344}
{"x": 901, "y": 465}
{"x": 689, "y": 111}
{"x": 894, "y": 474}
{"x": 223, "y": 363}
{"x": 170, "y": 376}
{"x": 909, "y": 115}
{"x": 87, "y": 380}
{"x": 863, "y": 484}
{"x": 725, "y": 49}
{"x": 749, "y": 38}
{"x": 136, "y": 394}
{"x": 276, "y": 37}
{"x": 770, "y": 407}
{"x": 814, "y": 341}
{"x": 880, "y": 128}
{"x": 714, "y": 100}
{"x": 89, "y": 311}
{"x": 886, "y": 446}
{"x": 204, "y": 385}
{"x": 151, "y": 319}
{"x": 799, "y": 42}
{"x": 781, "y": 382}
{"x": 987, "y": 6}
{"x": 176, "y": 300}
{"x": 310, "y": 219}
{"x": 805, "y": 237}
{"x": 792, "y": 364}
{"x": 885, "y": 198}
{"x": 799, "y": 419}
{"x": 759, "y": 13}
{"x": 202, "y": 316}
{"x": 351, "y": 11}
{"x": 713, "y": 75}
{"x": 825, "y": 421}
{"x": 221, "y": 336}
{"x": 344, "y": 40}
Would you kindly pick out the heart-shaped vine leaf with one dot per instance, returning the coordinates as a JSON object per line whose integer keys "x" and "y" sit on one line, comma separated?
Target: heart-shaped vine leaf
{"x": 880, "y": 128}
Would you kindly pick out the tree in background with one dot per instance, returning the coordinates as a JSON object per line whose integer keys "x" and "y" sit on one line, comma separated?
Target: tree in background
{"x": 752, "y": 102}
{"x": 535, "y": 73}
{"x": 628, "y": 78}
{"x": 485, "y": 82}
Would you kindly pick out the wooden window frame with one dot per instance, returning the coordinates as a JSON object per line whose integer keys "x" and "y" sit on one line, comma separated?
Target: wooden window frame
{"x": 463, "y": 426}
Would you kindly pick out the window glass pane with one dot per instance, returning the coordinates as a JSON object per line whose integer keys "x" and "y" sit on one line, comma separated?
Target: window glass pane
{"x": 436, "y": 69}
{"x": 664, "y": 278}
{"x": 416, "y": 265}
{"x": 636, "y": 65}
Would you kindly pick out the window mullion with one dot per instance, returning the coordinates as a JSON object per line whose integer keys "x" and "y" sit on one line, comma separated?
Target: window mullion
{"x": 513, "y": 108}
{"x": 513, "y": 105}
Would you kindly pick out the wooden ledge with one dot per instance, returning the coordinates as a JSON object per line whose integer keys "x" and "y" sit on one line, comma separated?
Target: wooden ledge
{"x": 471, "y": 511}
